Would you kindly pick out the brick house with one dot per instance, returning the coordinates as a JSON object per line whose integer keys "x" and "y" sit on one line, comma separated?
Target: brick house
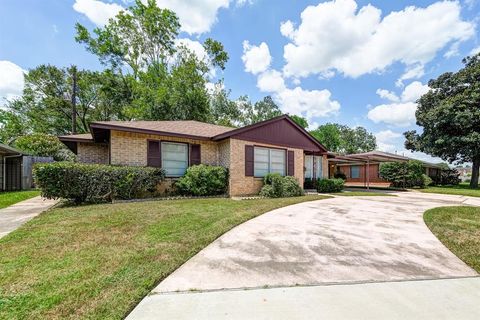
{"x": 364, "y": 168}
{"x": 276, "y": 145}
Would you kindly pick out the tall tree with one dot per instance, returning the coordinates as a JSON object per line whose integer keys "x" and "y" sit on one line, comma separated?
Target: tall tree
{"x": 449, "y": 115}
{"x": 167, "y": 80}
{"x": 46, "y": 105}
{"x": 343, "y": 139}
{"x": 301, "y": 121}
{"x": 260, "y": 111}
{"x": 223, "y": 110}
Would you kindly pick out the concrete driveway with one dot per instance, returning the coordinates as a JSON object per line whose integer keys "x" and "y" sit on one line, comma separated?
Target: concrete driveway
{"x": 344, "y": 239}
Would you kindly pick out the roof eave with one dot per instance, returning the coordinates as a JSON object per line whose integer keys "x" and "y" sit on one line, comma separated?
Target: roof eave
{"x": 94, "y": 126}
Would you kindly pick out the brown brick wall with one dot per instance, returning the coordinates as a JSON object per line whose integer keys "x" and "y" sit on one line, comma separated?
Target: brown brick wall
{"x": 129, "y": 148}
{"x": 92, "y": 153}
{"x": 242, "y": 185}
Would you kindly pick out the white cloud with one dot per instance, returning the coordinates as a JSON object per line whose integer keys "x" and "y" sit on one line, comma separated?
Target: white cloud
{"x": 97, "y": 11}
{"x": 397, "y": 114}
{"x": 412, "y": 72}
{"x": 414, "y": 91}
{"x": 336, "y": 35}
{"x": 11, "y": 80}
{"x": 389, "y": 95}
{"x": 474, "y": 51}
{"x": 256, "y": 58}
{"x": 309, "y": 103}
{"x": 196, "y": 16}
{"x": 453, "y": 50}
{"x": 271, "y": 81}
{"x": 401, "y": 111}
{"x": 387, "y": 140}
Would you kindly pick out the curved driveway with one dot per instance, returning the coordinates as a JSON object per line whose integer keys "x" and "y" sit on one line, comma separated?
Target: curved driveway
{"x": 338, "y": 240}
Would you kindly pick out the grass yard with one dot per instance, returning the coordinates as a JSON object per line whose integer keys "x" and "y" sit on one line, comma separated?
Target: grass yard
{"x": 363, "y": 193}
{"x": 462, "y": 189}
{"x": 11, "y": 197}
{"x": 458, "y": 228}
{"x": 99, "y": 261}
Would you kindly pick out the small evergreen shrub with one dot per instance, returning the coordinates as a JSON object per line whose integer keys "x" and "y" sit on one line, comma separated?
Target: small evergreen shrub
{"x": 427, "y": 181}
{"x": 203, "y": 180}
{"x": 94, "y": 183}
{"x": 450, "y": 177}
{"x": 330, "y": 185}
{"x": 403, "y": 174}
{"x": 277, "y": 186}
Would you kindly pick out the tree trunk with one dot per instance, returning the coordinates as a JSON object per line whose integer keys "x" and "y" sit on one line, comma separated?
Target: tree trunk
{"x": 475, "y": 171}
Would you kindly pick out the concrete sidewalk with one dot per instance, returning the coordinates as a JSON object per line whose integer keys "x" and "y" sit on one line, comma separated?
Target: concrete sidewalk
{"x": 15, "y": 215}
{"x": 426, "y": 299}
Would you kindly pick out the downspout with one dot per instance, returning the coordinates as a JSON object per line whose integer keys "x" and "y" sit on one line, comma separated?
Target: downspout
{"x": 5, "y": 169}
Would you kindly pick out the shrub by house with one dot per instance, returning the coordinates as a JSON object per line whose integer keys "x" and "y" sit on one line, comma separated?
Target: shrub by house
{"x": 330, "y": 185}
{"x": 93, "y": 183}
{"x": 277, "y": 186}
{"x": 203, "y": 180}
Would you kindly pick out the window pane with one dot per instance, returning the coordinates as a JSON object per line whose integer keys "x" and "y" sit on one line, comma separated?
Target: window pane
{"x": 319, "y": 168}
{"x": 355, "y": 172}
{"x": 308, "y": 167}
{"x": 277, "y": 161}
{"x": 174, "y": 159}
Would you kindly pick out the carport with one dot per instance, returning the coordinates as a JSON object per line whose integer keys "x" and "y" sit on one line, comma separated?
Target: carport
{"x": 365, "y": 159}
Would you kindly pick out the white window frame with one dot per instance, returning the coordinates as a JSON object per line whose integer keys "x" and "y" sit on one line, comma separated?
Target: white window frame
{"x": 269, "y": 163}
{"x": 162, "y": 143}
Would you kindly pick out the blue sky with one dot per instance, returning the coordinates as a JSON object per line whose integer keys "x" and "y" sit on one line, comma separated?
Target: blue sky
{"x": 357, "y": 63}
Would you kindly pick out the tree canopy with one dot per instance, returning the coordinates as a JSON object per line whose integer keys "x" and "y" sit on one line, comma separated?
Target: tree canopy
{"x": 449, "y": 115}
{"x": 343, "y": 139}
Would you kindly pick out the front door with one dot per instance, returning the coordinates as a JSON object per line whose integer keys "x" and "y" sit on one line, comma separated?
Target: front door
{"x": 313, "y": 167}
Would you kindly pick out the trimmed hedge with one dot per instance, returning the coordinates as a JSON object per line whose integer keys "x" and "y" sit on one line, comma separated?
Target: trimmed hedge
{"x": 277, "y": 186}
{"x": 94, "y": 183}
{"x": 203, "y": 180}
{"x": 330, "y": 185}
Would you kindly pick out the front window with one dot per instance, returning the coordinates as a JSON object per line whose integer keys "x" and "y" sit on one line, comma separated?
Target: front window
{"x": 268, "y": 161}
{"x": 355, "y": 172}
{"x": 174, "y": 158}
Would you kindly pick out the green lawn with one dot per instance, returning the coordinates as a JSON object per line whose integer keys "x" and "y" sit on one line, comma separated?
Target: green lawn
{"x": 363, "y": 193}
{"x": 462, "y": 189}
{"x": 458, "y": 228}
{"x": 11, "y": 197}
{"x": 99, "y": 261}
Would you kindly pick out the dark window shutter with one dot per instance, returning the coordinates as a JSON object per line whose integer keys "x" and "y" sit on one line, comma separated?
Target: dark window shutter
{"x": 154, "y": 154}
{"x": 249, "y": 161}
{"x": 195, "y": 154}
{"x": 291, "y": 163}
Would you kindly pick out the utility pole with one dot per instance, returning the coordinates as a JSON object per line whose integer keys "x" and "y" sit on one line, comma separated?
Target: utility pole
{"x": 74, "y": 99}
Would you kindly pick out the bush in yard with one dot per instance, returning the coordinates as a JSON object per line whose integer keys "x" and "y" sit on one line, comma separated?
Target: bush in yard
{"x": 449, "y": 177}
{"x": 403, "y": 174}
{"x": 330, "y": 185}
{"x": 427, "y": 181}
{"x": 277, "y": 186}
{"x": 203, "y": 180}
{"x": 94, "y": 183}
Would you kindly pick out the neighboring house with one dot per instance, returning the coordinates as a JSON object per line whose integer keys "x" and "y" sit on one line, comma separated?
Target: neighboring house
{"x": 16, "y": 168}
{"x": 276, "y": 145}
{"x": 363, "y": 168}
